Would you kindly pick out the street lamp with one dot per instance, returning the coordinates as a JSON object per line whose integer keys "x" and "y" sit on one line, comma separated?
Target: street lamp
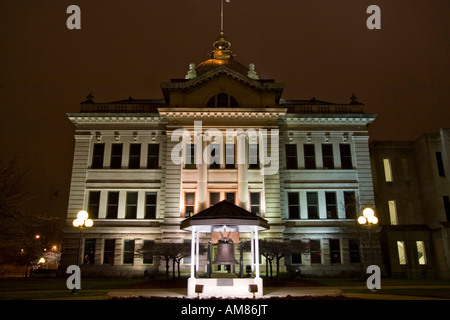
{"x": 368, "y": 218}
{"x": 82, "y": 221}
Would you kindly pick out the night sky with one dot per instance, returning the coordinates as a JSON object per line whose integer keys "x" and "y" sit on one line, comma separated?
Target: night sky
{"x": 319, "y": 49}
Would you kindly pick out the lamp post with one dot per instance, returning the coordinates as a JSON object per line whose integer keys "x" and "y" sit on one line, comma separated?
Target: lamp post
{"x": 368, "y": 218}
{"x": 82, "y": 221}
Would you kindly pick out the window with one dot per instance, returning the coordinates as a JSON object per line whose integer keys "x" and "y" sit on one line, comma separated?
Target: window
{"x": 255, "y": 198}
{"x": 315, "y": 251}
{"x": 420, "y": 245}
{"x": 128, "y": 251}
{"x": 97, "y": 156}
{"x": 230, "y": 156}
{"x": 387, "y": 170}
{"x": 401, "y": 252}
{"x": 147, "y": 254}
{"x": 222, "y": 100}
{"x": 327, "y": 156}
{"x": 447, "y": 207}
{"x": 131, "y": 209}
{"x": 346, "y": 156}
{"x": 190, "y": 157}
{"x": 94, "y": 204}
{"x": 134, "y": 161}
{"x": 353, "y": 247}
{"x": 330, "y": 199}
{"x": 214, "y": 197}
{"x": 189, "y": 200}
{"x": 313, "y": 206}
{"x": 187, "y": 259}
{"x": 230, "y": 196}
{"x": 335, "y": 251}
{"x": 89, "y": 251}
{"x": 150, "y": 205}
{"x": 350, "y": 204}
{"x": 296, "y": 256}
{"x": 153, "y": 156}
{"x": 214, "y": 156}
{"x": 113, "y": 205}
{"x": 405, "y": 170}
{"x": 440, "y": 164}
{"x": 310, "y": 156}
{"x": 291, "y": 156}
{"x": 393, "y": 212}
{"x": 294, "y": 205}
{"x": 116, "y": 156}
{"x": 253, "y": 156}
{"x": 108, "y": 251}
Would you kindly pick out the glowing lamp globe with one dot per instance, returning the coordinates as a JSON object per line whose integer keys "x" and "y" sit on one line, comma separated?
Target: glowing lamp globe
{"x": 77, "y": 222}
{"x": 89, "y": 223}
{"x": 368, "y": 212}
{"x": 362, "y": 220}
{"x": 82, "y": 215}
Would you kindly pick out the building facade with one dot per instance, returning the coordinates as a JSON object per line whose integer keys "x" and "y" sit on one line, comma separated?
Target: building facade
{"x": 142, "y": 166}
{"x": 412, "y": 200}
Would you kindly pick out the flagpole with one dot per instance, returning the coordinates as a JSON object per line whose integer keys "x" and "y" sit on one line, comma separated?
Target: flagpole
{"x": 221, "y": 16}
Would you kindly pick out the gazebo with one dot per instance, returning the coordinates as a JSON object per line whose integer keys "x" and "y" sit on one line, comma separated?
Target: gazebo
{"x": 225, "y": 217}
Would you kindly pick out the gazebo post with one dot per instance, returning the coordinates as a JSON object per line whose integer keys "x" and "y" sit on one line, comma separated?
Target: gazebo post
{"x": 252, "y": 252}
{"x": 256, "y": 252}
{"x": 193, "y": 252}
{"x": 197, "y": 249}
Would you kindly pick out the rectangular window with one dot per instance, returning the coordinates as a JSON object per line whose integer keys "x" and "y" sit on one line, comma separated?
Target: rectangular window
{"x": 387, "y": 170}
{"x": 253, "y": 160}
{"x": 128, "y": 251}
{"x": 405, "y": 169}
{"x": 353, "y": 247}
{"x": 116, "y": 156}
{"x": 153, "y": 156}
{"x": 401, "y": 252}
{"x": 291, "y": 156}
{"x": 421, "y": 252}
{"x": 214, "y": 153}
{"x": 89, "y": 251}
{"x": 108, "y": 251}
{"x": 447, "y": 207}
{"x": 134, "y": 160}
{"x": 296, "y": 256}
{"x": 150, "y": 205}
{"x": 190, "y": 157}
{"x": 214, "y": 197}
{"x": 294, "y": 205}
{"x": 230, "y": 156}
{"x": 113, "y": 205}
{"x": 255, "y": 202}
{"x": 97, "y": 156}
{"x": 350, "y": 204}
{"x": 440, "y": 164}
{"x": 187, "y": 259}
{"x": 131, "y": 209}
{"x": 189, "y": 201}
{"x": 327, "y": 156}
{"x": 230, "y": 196}
{"x": 309, "y": 154}
{"x": 313, "y": 205}
{"x": 147, "y": 254}
{"x": 346, "y": 156}
{"x": 330, "y": 199}
{"x": 393, "y": 212}
{"x": 315, "y": 250}
{"x": 94, "y": 204}
{"x": 335, "y": 251}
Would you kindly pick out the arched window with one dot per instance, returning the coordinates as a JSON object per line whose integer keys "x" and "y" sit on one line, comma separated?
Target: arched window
{"x": 222, "y": 100}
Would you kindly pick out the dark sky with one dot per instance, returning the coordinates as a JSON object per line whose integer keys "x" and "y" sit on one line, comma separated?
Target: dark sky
{"x": 318, "y": 48}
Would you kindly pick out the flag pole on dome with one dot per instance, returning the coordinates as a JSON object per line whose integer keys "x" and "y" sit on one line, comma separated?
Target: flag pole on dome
{"x": 221, "y": 14}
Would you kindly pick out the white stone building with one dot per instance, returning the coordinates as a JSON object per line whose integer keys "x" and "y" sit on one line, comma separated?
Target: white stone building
{"x": 132, "y": 170}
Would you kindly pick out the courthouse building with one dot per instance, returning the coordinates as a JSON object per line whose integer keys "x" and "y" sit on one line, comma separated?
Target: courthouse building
{"x": 302, "y": 165}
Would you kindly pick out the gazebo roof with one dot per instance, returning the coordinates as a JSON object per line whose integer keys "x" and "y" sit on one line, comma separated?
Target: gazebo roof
{"x": 227, "y": 214}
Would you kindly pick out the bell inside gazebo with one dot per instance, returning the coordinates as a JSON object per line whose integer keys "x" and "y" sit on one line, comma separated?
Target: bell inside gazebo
{"x": 225, "y": 253}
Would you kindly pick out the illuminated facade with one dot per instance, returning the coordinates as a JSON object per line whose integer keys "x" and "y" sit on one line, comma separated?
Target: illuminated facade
{"x": 303, "y": 165}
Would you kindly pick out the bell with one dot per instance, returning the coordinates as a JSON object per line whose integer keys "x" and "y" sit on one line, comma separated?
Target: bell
{"x": 225, "y": 253}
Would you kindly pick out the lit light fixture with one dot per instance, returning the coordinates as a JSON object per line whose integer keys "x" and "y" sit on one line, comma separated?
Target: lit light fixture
{"x": 368, "y": 217}
{"x": 41, "y": 260}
